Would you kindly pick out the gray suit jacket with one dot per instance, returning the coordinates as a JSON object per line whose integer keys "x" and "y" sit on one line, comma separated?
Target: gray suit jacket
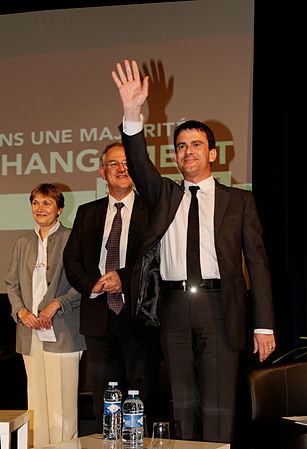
{"x": 19, "y": 289}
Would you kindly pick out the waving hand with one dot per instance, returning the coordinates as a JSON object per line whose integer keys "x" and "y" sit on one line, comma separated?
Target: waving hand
{"x": 133, "y": 92}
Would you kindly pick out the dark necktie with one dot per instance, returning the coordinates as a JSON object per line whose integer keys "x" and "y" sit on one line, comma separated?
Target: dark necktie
{"x": 115, "y": 301}
{"x": 193, "y": 257}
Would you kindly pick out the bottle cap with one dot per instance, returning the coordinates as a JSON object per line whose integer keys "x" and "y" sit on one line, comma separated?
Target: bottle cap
{"x": 133, "y": 392}
{"x": 113, "y": 384}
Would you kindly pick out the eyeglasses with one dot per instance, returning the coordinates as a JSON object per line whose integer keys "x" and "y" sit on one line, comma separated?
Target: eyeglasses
{"x": 116, "y": 164}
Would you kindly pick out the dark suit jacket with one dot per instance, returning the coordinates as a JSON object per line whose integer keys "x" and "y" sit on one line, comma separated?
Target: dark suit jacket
{"x": 237, "y": 229}
{"x": 82, "y": 255}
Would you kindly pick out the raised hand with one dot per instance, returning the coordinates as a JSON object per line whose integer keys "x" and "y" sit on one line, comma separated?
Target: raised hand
{"x": 133, "y": 92}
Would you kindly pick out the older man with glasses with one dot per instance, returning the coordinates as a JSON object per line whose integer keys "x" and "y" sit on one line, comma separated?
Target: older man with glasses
{"x": 105, "y": 240}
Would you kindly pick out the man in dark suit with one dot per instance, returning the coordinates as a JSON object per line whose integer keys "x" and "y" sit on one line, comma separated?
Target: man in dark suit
{"x": 203, "y": 301}
{"x": 118, "y": 346}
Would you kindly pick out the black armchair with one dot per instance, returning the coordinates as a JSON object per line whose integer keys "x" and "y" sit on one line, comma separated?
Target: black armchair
{"x": 276, "y": 392}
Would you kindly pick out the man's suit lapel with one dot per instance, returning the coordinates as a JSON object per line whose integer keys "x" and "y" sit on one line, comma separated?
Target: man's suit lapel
{"x": 136, "y": 225}
{"x": 222, "y": 197}
{"x": 100, "y": 219}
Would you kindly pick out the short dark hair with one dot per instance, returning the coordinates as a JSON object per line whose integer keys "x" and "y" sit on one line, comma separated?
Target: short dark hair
{"x": 50, "y": 190}
{"x": 200, "y": 126}
{"x": 107, "y": 148}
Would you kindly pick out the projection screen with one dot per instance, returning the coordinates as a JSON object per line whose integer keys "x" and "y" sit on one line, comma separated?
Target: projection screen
{"x": 60, "y": 106}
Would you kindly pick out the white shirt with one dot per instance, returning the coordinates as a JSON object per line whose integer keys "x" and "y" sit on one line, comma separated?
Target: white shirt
{"x": 126, "y": 212}
{"x": 39, "y": 281}
{"x": 173, "y": 256}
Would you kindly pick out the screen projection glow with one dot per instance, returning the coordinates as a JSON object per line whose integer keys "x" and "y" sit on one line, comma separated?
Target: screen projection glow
{"x": 60, "y": 107}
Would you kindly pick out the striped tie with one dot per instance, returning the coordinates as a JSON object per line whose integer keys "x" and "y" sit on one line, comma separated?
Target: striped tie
{"x": 115, "y": 301}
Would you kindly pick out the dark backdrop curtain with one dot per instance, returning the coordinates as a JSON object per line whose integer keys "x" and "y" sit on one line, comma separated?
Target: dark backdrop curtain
{"x": 279, "y": 158}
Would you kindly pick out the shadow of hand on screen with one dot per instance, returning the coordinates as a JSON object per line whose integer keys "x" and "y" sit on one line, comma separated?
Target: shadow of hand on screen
{"x": 160, "y": 91}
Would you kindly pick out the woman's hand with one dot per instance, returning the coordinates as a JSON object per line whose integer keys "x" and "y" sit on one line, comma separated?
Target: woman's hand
{"x": 28, "y": 319}
{"x": 46, "y": 315}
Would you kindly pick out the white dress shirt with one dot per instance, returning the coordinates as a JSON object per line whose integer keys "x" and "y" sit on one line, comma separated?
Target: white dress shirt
{"x": 173, "y": 256}
{"x": 126, "y": 212}
{"x": 39, "y": 281}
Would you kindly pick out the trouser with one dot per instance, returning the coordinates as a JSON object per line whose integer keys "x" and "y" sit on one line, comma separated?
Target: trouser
{"x": 52, "y": 393}
{"x": 126, "y": 353}
{"x": 202, "y": 366}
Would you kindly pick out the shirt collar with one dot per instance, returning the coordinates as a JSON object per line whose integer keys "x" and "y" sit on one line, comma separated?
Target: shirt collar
{"x": 52, "y": 230}
{"x": 127, "y": 201}
{"x": 205, "y": 186}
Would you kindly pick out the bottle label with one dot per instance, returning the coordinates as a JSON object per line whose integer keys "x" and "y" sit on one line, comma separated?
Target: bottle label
{"x": 112, "y": 407}
{"x": 133, "y": 420}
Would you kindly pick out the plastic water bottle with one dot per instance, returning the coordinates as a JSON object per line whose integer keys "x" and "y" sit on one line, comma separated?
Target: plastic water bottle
{"x": 112, "y": 417}
{"x": 133, "y": 411}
